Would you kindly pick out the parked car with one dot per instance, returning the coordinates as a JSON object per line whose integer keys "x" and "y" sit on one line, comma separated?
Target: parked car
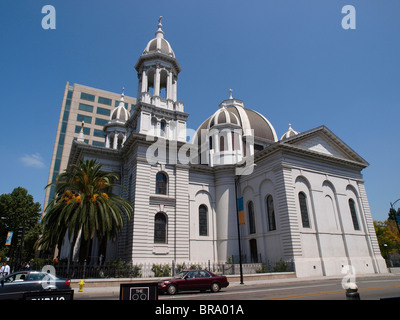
{"x": 193, "y": 280}
{"x": 13, "y": 286}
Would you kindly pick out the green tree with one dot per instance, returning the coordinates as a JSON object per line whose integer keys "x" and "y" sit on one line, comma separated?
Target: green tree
{"x": 84, "y": 207}
{"x": 388, "y": 239}
{"x": 18, "y": 210}
{"x": 394, "y": 218}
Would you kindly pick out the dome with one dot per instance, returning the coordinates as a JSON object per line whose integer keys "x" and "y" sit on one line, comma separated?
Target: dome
{"x": 223, "y": 116}
{"x": 233, "y": 113}
{"x": 120, "y": 113}
{"x": 159, "y": 44}
{"x": 289, "y": 133}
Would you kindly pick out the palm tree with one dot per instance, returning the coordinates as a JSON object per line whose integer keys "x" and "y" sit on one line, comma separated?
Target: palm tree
{"x": 84, "y": 207}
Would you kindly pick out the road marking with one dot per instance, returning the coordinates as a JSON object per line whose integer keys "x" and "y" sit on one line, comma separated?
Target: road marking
{"x": 331, "y": 292}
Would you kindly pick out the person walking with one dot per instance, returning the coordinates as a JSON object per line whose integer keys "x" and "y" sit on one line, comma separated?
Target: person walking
{"x": 5, "y": 269}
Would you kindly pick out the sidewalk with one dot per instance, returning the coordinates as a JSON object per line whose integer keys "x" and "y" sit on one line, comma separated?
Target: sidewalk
{"x": 114, "y": 290}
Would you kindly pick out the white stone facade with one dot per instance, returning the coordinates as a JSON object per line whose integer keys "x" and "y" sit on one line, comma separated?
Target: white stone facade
{"x": 304, "y": 199}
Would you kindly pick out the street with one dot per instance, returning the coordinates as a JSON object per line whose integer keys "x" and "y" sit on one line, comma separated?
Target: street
{"x": 370, "y": 288}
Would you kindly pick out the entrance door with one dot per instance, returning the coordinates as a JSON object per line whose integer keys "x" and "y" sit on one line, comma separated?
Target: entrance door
{"x": 253, "y": 251}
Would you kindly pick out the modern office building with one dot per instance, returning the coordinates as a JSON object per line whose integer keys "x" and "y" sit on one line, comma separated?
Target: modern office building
{"x": 81, "y": 103}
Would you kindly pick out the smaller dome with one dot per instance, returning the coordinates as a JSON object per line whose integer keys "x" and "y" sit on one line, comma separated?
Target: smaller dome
{"x": 289, "y": 133}
{"x": 120, "y": 113}
{"x": 159, "y": 44}
{"x": 223, "y": 116}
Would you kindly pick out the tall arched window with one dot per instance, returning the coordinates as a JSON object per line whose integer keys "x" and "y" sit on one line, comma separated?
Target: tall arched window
{"x": 303, "y": 210}
{"x": 160, "y": 228}
{"x": 161, "y": 183}
{"x": 221, "y": 143}
{"x": 270, "y": 213}
{"x": 252, "y": 222}
{"x": 353, "y": 212}
{"x": 203, "y": 220}
{"x": 162, "y": 128}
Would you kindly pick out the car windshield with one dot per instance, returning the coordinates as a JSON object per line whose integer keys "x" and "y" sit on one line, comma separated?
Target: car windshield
{"x": 180, "y": 275}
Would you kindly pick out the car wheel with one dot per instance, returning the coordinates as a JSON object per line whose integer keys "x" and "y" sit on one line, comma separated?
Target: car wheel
{"x": 215, "y": 287}
{"x": 171, "y": 289}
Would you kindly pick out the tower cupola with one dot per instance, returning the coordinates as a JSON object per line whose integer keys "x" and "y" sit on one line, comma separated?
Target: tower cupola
{"x": 115, "y": 128}
{"x": 158, "y": 71}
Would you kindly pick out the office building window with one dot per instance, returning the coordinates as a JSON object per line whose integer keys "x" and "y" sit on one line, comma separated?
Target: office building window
{"x": 98, "y": 143}
{"x": 100, "y": 122}
{"x": 104, "y": 101}
{"x": 85, "y": 130}
{"x": 103, "y": 111}
{"x": 81, "y": 118}
{"x": 87, "y": 96}
{"x": 99, "y": 133}
{"x": 85, "y": 107}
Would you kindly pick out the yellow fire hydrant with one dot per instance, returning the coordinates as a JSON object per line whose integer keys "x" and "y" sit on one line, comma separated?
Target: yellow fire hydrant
{"x": 81, "y": 284}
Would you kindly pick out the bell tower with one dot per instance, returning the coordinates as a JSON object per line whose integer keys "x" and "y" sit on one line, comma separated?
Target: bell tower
{"x": 158, "y": 111}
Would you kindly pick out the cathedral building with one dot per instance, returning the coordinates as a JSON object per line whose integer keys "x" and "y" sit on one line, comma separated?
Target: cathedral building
{"x": 300, "y": 198}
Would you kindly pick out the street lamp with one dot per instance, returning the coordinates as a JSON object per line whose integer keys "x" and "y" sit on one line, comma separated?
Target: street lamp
{"x": 238, "y": 229}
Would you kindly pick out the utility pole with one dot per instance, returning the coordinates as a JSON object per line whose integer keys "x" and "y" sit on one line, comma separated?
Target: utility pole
{"x": 238, "y": 228}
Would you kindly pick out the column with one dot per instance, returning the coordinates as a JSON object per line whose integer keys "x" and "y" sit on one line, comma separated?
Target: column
{"x": 174, "y": 89}
{"x": 144, "y": 81}
{"x": 157, "y": 83}
{"x": 115, "y": 144}
{"x": 107, "y": 141}
{"x": 169, "y": 86}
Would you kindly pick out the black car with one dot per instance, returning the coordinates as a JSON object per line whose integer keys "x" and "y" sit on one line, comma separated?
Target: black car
{"x": 16, "y": 284}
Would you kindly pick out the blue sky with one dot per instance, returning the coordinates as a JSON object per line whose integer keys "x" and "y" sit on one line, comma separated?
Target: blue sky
{"x": 291, "y": 60}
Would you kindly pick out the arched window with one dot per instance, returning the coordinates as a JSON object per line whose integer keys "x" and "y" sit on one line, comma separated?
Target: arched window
{"x": 270, "y": 213}
{"x": 203, "y": 220}
{"x": 161, "y": 183}
{"x": 160, "y": 228}
{"x": 303, "y": 210}
{"x": 154, "y": 126}
{"x": 162, "y": 128}
{"x": 252, "y": 222}
{"x": 253, "y": 251}
{"x": 353, "y": 212}
{"x": 221, "y": 143}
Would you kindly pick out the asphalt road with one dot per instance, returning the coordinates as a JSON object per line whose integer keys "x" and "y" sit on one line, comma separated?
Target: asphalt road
{"x": 370, "y": 288}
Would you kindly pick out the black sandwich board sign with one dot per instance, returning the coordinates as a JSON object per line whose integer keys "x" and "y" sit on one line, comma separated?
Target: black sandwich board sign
{"x": 59, "y": 295}
{"x": 138, "y": 291}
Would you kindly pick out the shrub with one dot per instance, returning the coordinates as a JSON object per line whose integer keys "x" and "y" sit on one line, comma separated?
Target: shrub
{"x": 161, "y": 270}
{"x": 280, "y": 266}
